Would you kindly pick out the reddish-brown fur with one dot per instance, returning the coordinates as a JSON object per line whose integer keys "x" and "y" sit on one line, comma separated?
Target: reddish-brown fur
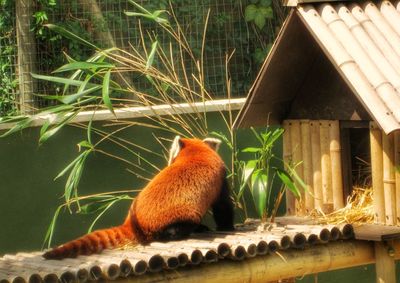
{"x": 180, "y": 193}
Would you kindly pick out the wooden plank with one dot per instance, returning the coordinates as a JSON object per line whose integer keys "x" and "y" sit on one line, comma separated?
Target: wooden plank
{"x": 307, "y": 165}
{"x": 336, "y": 165}
{"x": 376, "y": 232}
{"x": 326, "y": 166}
{"x": 389, "y": 179}
{"x": 384, "y": 265}
{"x": 346, "y": 161}
{"x": 377, "y": 172}
{"x": 397, "y": 172}
{"x": 287, "y": 157}
{"x": 295, "y": 138}
{"x": 316, "y": 164}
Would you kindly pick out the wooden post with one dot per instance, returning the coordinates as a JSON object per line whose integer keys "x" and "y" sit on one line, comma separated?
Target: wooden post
{"x": 326, "y": 167}
{"x": 295, "y": 137}
{"x": 335, "y": 151}
{"x": 287, "y": 157}
{"x": 307, "y": 165}
{"x": 385, "y": 264}
{"x": 316, "y": 164}
{"x": 397, "y": 172}
{"x": 389, "y": 185}
{"x": 377, "y": 172}
{"x": 26, "y": 54}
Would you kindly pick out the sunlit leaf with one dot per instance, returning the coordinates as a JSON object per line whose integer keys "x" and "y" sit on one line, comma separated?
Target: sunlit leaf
{"x": 259, "y": 185}
{"x": 70, "y": 35}
{"x": 83, "y": 66}
{"x": 288, "y": 182}
{"x": 150, "y": 59}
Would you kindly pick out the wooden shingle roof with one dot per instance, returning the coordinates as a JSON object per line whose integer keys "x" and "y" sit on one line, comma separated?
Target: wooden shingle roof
{"x": 361, "y": 42}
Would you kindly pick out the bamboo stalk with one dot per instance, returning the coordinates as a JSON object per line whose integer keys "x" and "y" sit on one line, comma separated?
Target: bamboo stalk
{"x": 295, "y": 144}
{"x": 385, "y": 264}
{"x": 397, "y": 172}
{"x": 326, "y": 171}
{"x": 318, "y": 258}
{"x": 377, "y": 173}
{"x": 389, "y": 185}
{"x": 335, "y": 152}
{"x": 316, "y": 164}
{"x": 307, "y": 165}
{"x": 287, "y": 158}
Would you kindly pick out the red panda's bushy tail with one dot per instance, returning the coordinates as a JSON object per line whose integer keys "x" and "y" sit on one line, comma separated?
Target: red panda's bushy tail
{"x": 93, "y": 242}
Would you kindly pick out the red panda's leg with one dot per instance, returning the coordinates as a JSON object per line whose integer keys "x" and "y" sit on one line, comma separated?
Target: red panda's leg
{"x": 176, "y": 231}
{"x": 223, "y": 209}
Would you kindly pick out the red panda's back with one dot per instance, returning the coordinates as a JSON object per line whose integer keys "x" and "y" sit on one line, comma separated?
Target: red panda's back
{"x": 183, "y": 191}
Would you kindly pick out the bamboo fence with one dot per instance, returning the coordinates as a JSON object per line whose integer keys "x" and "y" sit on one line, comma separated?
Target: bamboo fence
{"x": 314, "y": 147}
{"x": 385, "y": 167}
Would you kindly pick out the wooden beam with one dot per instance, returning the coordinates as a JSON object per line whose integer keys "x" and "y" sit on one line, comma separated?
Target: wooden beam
{"x": 376, "y": 232}
{"x": 290, "y": 263}
{"x": 385, "y": 264}
{"x": 377, "y": 172}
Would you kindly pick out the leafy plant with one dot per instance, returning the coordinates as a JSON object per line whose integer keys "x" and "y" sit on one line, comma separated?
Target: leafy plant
{"x": 97, "y": 84}
{"x": 260, "y": 176}
{"x": 259, "y": 13}
{"x": 8, "y": 81}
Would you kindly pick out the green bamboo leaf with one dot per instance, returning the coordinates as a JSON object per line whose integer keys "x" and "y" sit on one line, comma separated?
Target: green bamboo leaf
{"x": 84, "y": 66}
{"x": 69, "y": 166}
{"x": 150, "y": 59}
{"x": 68, "y": 99}
{"x": 105, "y": 209}
{"x": 288, "y": 181}
{"x": 252, "y": 149}
{"x": 106, "y": 92}
{"x": 66, "y": 33}
{"x": 248, "y": 170}
{"x": 50, "y": 230}
{"x": 20, "y": 125}
{"x": 259, "y": 182}
{"x": 46, "y": 134}
{"x": 59, "y": 80}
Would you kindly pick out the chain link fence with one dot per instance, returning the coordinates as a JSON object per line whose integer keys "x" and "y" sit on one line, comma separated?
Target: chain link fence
{"x": 26, "y": 46}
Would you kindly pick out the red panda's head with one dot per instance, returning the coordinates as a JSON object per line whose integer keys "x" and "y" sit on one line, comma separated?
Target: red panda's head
{"x": 179, "y": 143}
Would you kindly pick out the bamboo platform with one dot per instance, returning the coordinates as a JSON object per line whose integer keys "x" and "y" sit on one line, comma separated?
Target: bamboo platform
{"x": 250, "y": 240}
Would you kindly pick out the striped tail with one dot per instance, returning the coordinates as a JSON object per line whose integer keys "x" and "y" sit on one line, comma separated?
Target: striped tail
{"x": 93, "y": 242}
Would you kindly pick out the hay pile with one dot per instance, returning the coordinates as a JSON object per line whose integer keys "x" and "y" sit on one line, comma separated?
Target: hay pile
{"x": 359, "y": 209}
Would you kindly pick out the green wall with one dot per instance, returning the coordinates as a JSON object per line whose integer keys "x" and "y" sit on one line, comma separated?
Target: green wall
{"x": 29, "y": 196}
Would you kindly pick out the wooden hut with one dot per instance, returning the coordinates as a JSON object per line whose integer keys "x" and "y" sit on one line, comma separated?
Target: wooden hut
{"x": 332, "y": 79}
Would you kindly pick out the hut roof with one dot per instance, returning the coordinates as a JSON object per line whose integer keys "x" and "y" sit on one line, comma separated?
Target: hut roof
{"x": 355, "y": 77}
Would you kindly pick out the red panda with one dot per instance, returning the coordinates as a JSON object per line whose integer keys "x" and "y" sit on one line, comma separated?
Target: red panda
{"x": 172, "y": 204}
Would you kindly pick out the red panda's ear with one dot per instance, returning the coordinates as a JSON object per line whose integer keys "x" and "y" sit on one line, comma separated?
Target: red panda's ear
{"x": 176, "y": 147}
{"x": 213, "y": 143}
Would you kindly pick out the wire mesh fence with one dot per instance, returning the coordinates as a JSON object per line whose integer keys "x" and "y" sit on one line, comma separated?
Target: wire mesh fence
{"x": 104, "y": 23}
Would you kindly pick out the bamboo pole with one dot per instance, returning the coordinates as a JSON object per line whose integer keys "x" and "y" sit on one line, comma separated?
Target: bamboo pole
{"x": 389, "y": 185}
{"x": 26, "y": 54}
{"x": 377, "y": 172}
{"x": 316, "y": 164}
{"x": 287, "y": 158}
{"x": 326, "y": 171}
{"x": 307, "y": 165}
{"x": 385, "y": 264}
{"x": 336, "y": 161}
{"x": 295, "y": 144}
{"x": 397, "y": 172}
{"x": 319, "y": 258}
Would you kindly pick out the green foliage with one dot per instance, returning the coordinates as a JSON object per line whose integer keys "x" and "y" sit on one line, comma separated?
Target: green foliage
{"x": 260, "y": 176}
{"x": 8, "y": 81}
